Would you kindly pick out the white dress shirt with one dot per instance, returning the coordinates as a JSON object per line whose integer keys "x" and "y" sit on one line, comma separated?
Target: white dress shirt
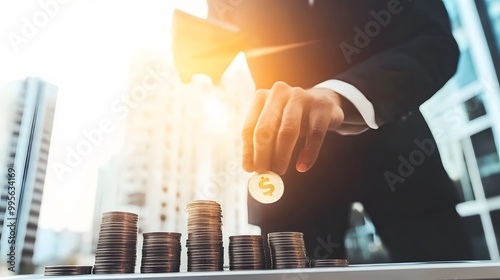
{"x": 356, "y": 97}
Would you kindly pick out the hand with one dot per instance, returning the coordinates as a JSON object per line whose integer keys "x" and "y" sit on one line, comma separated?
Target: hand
{"x": 276, "y": 119}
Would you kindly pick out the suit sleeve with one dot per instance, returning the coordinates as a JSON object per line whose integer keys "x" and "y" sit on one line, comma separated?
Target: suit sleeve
{"x": 417, "y": 56}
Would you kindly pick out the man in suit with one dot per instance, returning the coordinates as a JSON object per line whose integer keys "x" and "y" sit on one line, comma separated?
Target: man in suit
{"x": 337, "y": 115}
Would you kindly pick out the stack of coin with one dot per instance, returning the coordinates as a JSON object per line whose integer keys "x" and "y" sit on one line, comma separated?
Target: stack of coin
{"x": 161, "y": 252}
{"x": 330, "y": 263}
{"x": 117, "y": 244}
{"x": 63, "y": 270}
{"x": 246, "y": 252}
{"x": 204, "y": 243}
{"x": 287, "y": 250}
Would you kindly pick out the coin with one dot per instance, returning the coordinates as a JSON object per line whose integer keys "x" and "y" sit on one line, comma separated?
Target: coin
{"x": 161, "y": 252}
{"x": 330, "y": 263}
{"x": 287, "y": 250}
{"x": 246, "y": 252}
{"x": 266, "y": 187}
{"x": 204, "y": 243}
{"x": 62, "y": 270}
{"x": 117, "y": 244}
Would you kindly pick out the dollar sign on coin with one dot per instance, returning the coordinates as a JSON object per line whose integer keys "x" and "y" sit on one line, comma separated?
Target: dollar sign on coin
{"x": 266, "y": 187}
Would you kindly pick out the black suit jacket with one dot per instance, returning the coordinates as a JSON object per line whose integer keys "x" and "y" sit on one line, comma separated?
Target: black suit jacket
{"x": 406, "y": 53}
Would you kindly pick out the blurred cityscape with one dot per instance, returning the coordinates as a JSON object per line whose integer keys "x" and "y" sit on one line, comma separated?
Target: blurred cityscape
{"x": 180, "y": 142}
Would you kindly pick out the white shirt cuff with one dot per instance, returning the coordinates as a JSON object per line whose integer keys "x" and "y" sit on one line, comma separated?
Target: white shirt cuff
{"x": 351, "y": 93}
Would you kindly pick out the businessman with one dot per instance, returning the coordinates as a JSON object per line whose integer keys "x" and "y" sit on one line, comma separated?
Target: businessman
{"x": 336, "y": 113}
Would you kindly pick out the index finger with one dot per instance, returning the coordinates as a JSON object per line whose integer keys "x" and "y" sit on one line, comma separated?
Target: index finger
{"x": 249, "y": 128}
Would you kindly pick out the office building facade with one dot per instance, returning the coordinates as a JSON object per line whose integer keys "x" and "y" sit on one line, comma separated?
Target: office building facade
{"x": 28, "y": 129}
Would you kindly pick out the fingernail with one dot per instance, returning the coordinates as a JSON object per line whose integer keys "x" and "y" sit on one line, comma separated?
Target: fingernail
{"x": 302, "y": 167}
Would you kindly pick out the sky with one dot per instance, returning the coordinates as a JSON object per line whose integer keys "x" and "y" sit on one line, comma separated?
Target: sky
{"x": 84, "y": 47}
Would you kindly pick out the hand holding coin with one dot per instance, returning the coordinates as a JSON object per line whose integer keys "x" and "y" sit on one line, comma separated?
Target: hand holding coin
{"x": 278, "y": 117}
{"x": 266, "y": 187}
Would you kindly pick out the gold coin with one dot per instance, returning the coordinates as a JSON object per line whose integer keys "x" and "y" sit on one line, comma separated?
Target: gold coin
{"x": 266, "y": 187}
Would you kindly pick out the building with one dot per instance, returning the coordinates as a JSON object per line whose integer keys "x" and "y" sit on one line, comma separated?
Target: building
{"x": 30, "y": 114}
{"x": 464, "y": 117}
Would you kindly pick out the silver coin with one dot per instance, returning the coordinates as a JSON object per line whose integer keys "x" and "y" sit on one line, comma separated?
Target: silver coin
{"x": 203, "y": 202}
{"x": 286, "y": 234}
{"x": 161, "y": 252}
{"x": 200, "y": 248}
{"x": 162, "y": 234}
{"x": 161, "y": 241}
{"x": 152, "y": 244}
{"x": 149, "y": 261}
{"x": 114, "y": 263}
{"x": 245, "y": 237}
{"x": 115, "y": 260}
{"x": 173, "y": 267}
{"x": 245, "y": 254}
{"x": 201, "y": 242}
{"x": 123, "y": 243}
{"x": 174, "y": 247}
{"x": 162, "y": 249}
{"x": 163, "y": 264}
{"x": 61, "y": 270}
{"x": 162, "y": 255}
{"x": 246, "y": 260}
{"x": 113, "y": 266}
{"x": 245, "y": 246}
{"x": 212, "y": 256}
{"x": 161, "y": 270}
{"x": 161, "y": 245}
{"x": 116, "y": 247}
{"x": 169, "y": 267}
{"x": 287, "y": 250}
{"x": 117, "y": 229}
{"x": 330, "y": 263}
{"x": 203, "y": 214}
{"x": 205, "y": 240}
{"x": 237, "y": 238}
{"x": 120, "y": 213}
{"x": 236, "y": 252}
